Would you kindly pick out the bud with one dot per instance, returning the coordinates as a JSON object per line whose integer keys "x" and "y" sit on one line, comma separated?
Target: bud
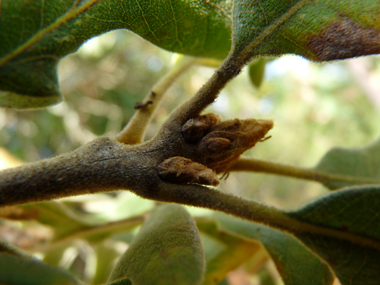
{"x": 178, "y": 169}
{"x": 195, "y": 129}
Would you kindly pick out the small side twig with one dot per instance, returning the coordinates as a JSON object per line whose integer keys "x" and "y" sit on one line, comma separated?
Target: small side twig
{"x": 206, "y": 95}
{"x": 134, "y": 132}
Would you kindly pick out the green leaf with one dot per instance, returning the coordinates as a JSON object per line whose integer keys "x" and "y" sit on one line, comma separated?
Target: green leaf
{"x": 36, "y": 34}
{"x": 266, "y": 278}
{"x": 224, "y": 282}
{"x": 99, "y": 233}
{"x": 319, "y": 30}
{"x": 55, "y": 255}
{"x": 232, "y": 251}
{"x": 348, "y": 167}
{"x": 345, "y": 233}
{"x": 167, "y": 250}
{"x": 106, "y": 255}
{"x": 124, "y": 281}
{"x": 61, "y": 218}
{"x": 69, "y": 225}
{"x": 256, "y": 71}
{"x": 294, "y": 261}
{"x": 31, "y": 271}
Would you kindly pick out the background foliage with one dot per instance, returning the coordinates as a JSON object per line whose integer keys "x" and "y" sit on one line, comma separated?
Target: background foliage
{"x": 314, "y": 107}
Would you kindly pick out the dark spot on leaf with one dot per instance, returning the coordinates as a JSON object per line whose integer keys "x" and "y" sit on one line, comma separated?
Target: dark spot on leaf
{"x": 344, "y": 39}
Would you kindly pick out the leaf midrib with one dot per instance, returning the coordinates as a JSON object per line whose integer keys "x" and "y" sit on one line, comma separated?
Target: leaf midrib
{"x": 244, "y": 55}
{"x": 71, "y": 14}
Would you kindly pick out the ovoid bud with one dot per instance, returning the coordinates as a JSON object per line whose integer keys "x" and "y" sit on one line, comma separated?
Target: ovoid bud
{"x": 178, "y": 169}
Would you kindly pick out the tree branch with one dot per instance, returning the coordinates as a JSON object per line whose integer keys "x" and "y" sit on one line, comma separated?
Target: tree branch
{"x": 209, "y": 198}
{"x": 107, "y": 164}
{"x": 229, "y": 69}
{"x": 99, "y": 166}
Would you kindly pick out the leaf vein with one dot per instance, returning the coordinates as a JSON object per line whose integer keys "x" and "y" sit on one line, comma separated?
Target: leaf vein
{"x": 245, "y": 53}
{"x": 59, "y": 22}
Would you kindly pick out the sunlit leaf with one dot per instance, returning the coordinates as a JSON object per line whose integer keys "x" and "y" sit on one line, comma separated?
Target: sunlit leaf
{"x": 319, "y": 30}
{"x": 36, "y": 34}
{"x": 345, "y": 233}
{"x": 56, "y": 254}
{"x": 294, "y": 261}
{"x": 355, "y": 166}
{"x": 232, "y": 251}
{"x": 31, "y": 271}
{"x": 167, "y": 250}
{"x": 106, "y": 255}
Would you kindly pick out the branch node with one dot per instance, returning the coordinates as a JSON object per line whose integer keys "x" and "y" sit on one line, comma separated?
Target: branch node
{"x": 140, "y": 105}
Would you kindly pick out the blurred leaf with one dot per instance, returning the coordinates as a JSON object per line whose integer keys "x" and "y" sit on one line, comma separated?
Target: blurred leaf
{"x": 124, "y": 281}
{"x": 69, "y": 225}
{"x": 55, "y": 255}
{"x": 35, "y": 35}
{"x": 61, "y": 218}
{"x": 256, "y": 71}
{"x": 266, "y": 278}
{"x": 319, "y": 30}
{"x": 106, "y": 255}
{"x": 346, "y": 233}
{"x": 30, "y": 271}
{"x": 98, "y": 233}
{"x": 235, "y": 252}
{"x": 94, "y": 234}
{"x": 224, "y": 282}
{"x": 167, "y": 250}
{"x": 356, "y": 166}
{"x": 125, "y": 206}
{"x": 293, "y": 260}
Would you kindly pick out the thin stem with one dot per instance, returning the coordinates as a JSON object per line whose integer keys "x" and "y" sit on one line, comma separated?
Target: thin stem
{"x": 134, "y": 132}
{"x": 256, "y": 165}
{"x": 206, "y": 95}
